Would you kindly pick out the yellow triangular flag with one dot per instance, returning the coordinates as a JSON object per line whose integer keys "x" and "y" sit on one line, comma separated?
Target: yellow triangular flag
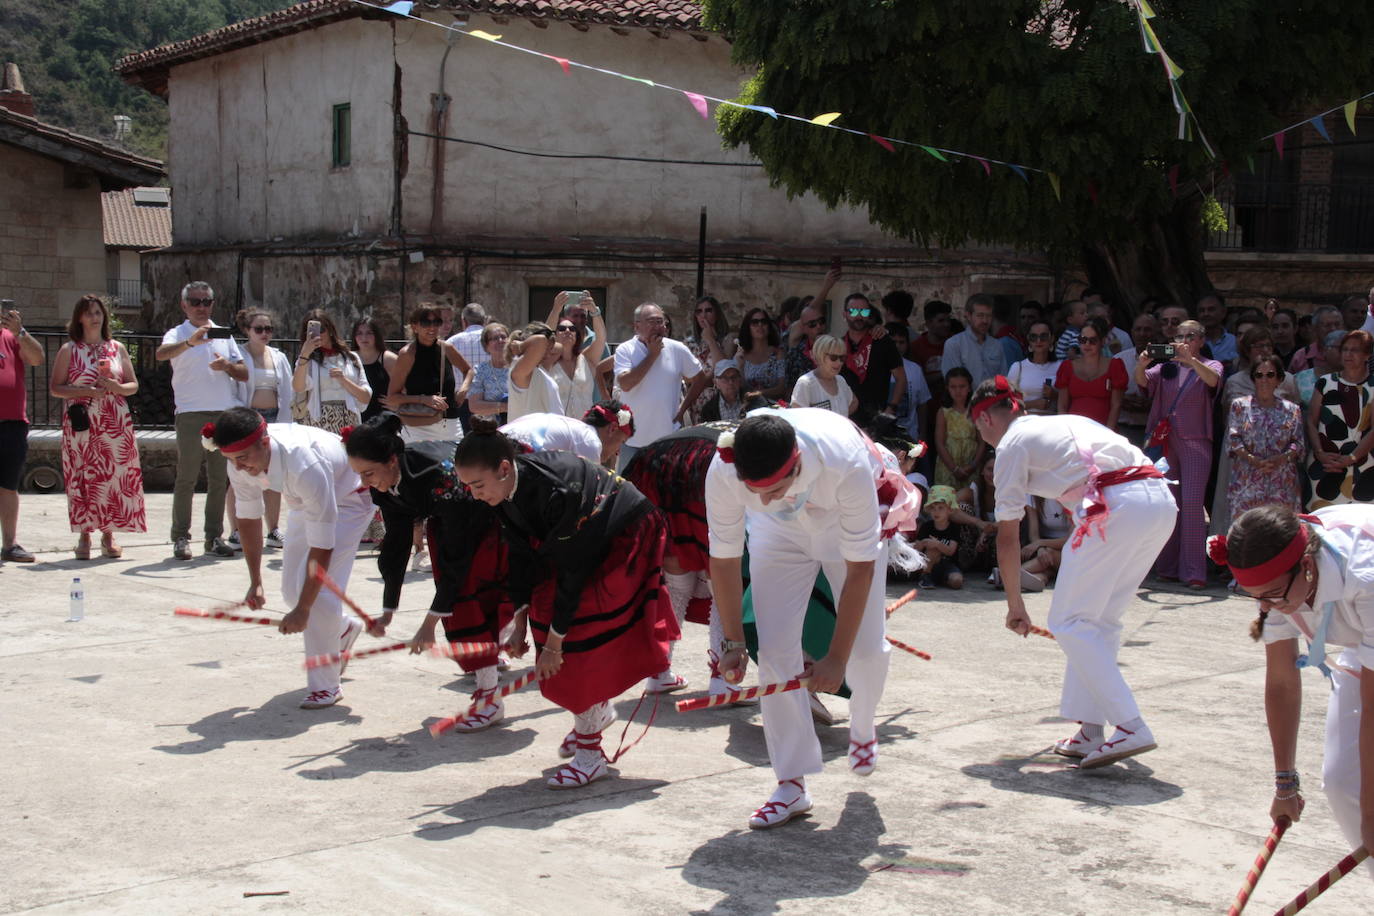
{"x": 1145, "y": 9}
{"x": 825, "y": 119}
{"x": 1054, "y": 183}
{"x": 478, "y": 33}
{"x": 1350, "y": 115}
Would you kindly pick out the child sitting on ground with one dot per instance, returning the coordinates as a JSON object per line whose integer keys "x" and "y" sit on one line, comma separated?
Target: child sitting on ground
{"x": 938, "y": 539}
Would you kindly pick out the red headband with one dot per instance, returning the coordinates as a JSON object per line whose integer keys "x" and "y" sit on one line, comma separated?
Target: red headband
{"x": 208, "y": 432}
{"x": 777, "y": 475}
{"x": 1252, "y": 576}
{"x": 613, "y": 418}
{"x": 1005, "y": 392}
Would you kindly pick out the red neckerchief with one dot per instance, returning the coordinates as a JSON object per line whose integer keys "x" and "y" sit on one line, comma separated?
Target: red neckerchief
{"x": 857, "y": 359}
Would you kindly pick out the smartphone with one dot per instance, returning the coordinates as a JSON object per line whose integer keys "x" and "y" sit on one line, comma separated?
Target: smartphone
{"x": 1160, "y": 353}
{"x": 218, "y": 333}
{"x": 836, "y": 263}
{"x": 6, "y": 305}
{"x": 312, "y": 329}
{"x": 574, "y": 298}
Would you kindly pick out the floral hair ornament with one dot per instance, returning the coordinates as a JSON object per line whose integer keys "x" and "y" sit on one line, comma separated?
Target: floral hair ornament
{"x": 207, "y": 439}
{"x": 1248, "y": 577}
{"x": 725, "y": 447}
{"x": 1217, "y": 550}
{"x": 345, "y": 433}
{"x": 623, "y": 420}
{"x": 1004, "y": 392}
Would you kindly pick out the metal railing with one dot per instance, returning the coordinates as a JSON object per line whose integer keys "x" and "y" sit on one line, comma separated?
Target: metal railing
{"x": 1285, "y": 216}
{"x": 125, "y": 293}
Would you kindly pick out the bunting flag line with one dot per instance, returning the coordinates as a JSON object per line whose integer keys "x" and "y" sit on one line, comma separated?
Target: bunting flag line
{"x": 1187, "y": 120}
{"x": 1318, "y": 123}
{"x": 1320, "y": 127}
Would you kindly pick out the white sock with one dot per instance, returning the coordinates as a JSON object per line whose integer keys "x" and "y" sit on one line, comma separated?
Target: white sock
{"x": 787, "y": 791}
{"x": 487, "y": 677}
{"x": 1091, "y": 730}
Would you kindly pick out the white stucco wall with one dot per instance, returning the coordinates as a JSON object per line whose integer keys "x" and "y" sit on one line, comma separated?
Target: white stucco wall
{"x": 250, "y": 140}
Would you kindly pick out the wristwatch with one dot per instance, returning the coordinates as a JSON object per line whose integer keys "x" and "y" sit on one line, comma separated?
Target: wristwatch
{"x": 730, "y": 645}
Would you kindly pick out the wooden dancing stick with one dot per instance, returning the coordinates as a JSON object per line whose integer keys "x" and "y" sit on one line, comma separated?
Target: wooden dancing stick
{"x": 524, "y": 680}
{"x": 1341, "y": 868}
{"x": 1262, "y": 860}
{"x": 734, "y": 696}
{"x": 224, "y": 615}
{"x": 321, "y": 575}
{"x": 1040, "y": 632}
{"x": 902, "y": 601}
{"x": 905, "y": 648}
{"x": 319, "y": 661}
{"x": 462, "y": 649}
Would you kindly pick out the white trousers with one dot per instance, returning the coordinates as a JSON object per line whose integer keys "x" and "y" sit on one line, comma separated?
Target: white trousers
{"x": 783, "y": 562}
{"x": 447, "y": 430}
{"x": 327, "y": 622}
{"x": 1096, "y": 583}
{"x": 1341, "y": 762}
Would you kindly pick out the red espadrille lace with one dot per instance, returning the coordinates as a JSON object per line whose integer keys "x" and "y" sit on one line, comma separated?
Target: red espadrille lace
{"x": 863, "y": 756}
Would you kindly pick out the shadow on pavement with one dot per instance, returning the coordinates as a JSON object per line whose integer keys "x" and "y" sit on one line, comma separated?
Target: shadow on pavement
{"x": 279, "y": 717}
{"x": 414, "y": 751}
{"x": 1045, "y": 773}
{"x": 796, "y": 861}
{"x": 532, "y": 805}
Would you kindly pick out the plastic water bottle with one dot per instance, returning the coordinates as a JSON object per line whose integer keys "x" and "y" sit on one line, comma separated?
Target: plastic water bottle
{"x": 78, "y": 610}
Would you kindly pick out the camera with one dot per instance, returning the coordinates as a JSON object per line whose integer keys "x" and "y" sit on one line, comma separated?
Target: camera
{"x": 1160, "y": 353}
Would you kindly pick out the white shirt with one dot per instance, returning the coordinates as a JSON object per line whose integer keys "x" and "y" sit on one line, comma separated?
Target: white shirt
{"x": 809, "y": 392}
{"x": 917, "y": 393}
{"x": 655, "y": 400}
{"x": 195, "y": 386}
{"x": 982, "y": 360}
{"x": 578, "y": 392}
{"x": 468, "y": 343}
{"x": 836, "y": 490}
{"x": 1029, "y": 378}
{"x": 1347, "y": 580}
{"x": 541, "y": 396}
{"x": 553, "y": 432}
{"x": 1039, "y": 456}
{"x": 320, "y": 387}
{"x": 310, "y": 470}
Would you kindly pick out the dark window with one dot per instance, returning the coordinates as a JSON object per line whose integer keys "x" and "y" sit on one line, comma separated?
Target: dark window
{"x": 541, "y": 300}
{"x": 343, "y": 135}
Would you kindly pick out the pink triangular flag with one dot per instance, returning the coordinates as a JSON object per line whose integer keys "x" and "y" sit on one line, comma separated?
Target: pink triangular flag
{"x": 562, "y": 62}
{"x": 987, "y": 169}
{"x": 883, "y": 142}
{"x": 699, "y": 103}
{"x": 1278, "y": 143}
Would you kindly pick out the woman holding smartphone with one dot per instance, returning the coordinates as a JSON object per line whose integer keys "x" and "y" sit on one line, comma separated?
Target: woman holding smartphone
{"x": 331, "y": 387}
{"x": 575, "y": 371}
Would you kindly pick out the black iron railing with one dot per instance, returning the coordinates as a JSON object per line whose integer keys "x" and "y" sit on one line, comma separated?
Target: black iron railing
{"x": 125, "y": 293}
{"x": 1286, "y": 216}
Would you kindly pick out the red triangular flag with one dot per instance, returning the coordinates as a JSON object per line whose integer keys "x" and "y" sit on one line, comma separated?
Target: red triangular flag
{"x": 987, "y": 169}
{"x": 1278, "y": 143}
{"x": 562, "y": 62}
{"x": 883, "y": 142}
{"x": 1173, "y": 180}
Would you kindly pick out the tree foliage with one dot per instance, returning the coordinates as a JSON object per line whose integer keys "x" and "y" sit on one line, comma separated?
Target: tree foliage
{"x": 66, "y": 51}
{"x": 1062, "y": 85}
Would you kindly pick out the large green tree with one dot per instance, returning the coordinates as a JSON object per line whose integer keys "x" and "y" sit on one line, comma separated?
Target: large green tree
{"x": 1062, "y": 85}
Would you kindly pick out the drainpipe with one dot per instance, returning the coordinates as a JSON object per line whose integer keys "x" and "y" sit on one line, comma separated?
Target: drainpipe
{"x": 438, "y": 125}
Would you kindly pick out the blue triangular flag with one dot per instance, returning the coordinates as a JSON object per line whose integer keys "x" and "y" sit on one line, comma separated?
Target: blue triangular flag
{"x": 1320, "y": 126}
{"x": 1019, "y": 171}
{"x": 400, "y": 8}
{"x": 763, "y": 108}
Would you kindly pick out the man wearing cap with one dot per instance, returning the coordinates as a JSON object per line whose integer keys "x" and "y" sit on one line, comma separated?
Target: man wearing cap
{"x": 727, "y": 403}
{"x": 1123, "y": 513}
{"x": 329, "y": 509}
{"x": 804, "y": 480}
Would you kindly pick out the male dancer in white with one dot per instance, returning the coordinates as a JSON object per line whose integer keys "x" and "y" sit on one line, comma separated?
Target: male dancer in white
{"x": 805, "y": 479}
{"x": 329, "y": 510}
{"x": 1124, "y": 514}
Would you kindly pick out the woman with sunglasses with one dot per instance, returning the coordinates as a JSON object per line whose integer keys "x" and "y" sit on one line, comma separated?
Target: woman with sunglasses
{"x": 1092, "y": 384}
{"x": 423, "y": 391}
{"x": 1181, "y": 392}
{"x": 574, "y": 370}
{"x": 268, "y": 391}
{"x": 1339, "y": 428}
{"x": 1316, "y": 571}
{"x": 761, "y": 359}
{"x": 823, "y": 386}
{"x": 1035, "y": 375}
{"x": 712, "y": 342}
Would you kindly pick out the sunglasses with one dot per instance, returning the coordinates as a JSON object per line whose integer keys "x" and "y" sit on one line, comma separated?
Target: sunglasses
{"x": 1039, "y": 336}
{"x": 859, "y": 312}
{"x": 1270, "y": 374}
{"x": 757, "y": 321}
{"x": 566, "y": 328}
{"x": 430, "y": 322}
{"x": 1089, "y": 340}
{"x": 262, "y": 328}
{"x": 201, "y": 303}
{"x": 835, "y": 357}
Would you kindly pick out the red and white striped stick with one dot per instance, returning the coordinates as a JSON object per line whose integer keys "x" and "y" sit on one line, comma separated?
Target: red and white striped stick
{"x": 1342, "y": 867}
{"x": 322, "y": 576}
{"x": 902, "y": 601}
{"x": 225, "y": 615}
{"x": 462, "y": 649}
{"x": 1040, "y": 632}
{"x": 1262, "y": 860}
{"x": 734, "y": 696}
{"x": 524, "y": 680}
{"x": 905, "y": 648}
{"x": 319, "y": 661}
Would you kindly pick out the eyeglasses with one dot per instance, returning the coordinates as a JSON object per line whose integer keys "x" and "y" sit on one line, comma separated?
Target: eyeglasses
{"x": 757, "y": 321}
{"x": 430, "y": 322}
{"x": 859, "y": 312}
{"x": 204, "y": 303}
{"x": 262, "y": 328}
{"x": 1280, "y": 596}
{"x": 835, "y": 357}
{"x": 1270, "y": 374}
{"x": 657, "y": 320}
{"x": 1089, "y": 340}
{"x": 1038, "y": 336}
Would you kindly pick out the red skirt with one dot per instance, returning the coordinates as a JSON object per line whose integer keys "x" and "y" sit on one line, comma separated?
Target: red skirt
{"x": 624, "y": 622}
{"x": 672, "y": 475}
{"x": 483, "y": 608}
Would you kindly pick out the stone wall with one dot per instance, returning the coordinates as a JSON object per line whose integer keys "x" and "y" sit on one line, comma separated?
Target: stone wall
{"x": 52, "y": 248}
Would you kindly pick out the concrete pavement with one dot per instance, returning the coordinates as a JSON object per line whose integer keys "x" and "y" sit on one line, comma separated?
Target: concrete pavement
{"x": 160, "y": 764}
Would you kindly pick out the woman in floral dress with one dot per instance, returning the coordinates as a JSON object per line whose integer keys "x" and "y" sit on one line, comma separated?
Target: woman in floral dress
{"x": 1265, "y": 442}
{"x": 94, "y": 374}
{"x": 1340, "y": 431}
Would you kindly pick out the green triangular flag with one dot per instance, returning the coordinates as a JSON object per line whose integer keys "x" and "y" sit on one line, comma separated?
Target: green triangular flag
{"x": 934, "y": 152}
{"x": 1054, "y": 183}
{"x": 1350, "y": 115}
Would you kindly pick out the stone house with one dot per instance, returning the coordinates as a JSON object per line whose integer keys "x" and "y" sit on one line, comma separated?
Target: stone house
{"x": 136, "y": 221}
{"x": 334, "y": 154}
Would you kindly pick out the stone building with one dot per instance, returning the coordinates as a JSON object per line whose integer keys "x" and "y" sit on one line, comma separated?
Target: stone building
{"x": 52, "y": 248}
{"x": 136, "y": 221}
{"x": 334, "y": 154}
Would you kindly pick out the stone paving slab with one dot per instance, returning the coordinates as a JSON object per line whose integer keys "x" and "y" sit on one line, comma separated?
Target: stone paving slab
{"x": 160, "y": 764}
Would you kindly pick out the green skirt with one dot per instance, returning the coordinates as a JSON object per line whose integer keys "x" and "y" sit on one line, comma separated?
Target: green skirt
{"x": 817, "y": 628}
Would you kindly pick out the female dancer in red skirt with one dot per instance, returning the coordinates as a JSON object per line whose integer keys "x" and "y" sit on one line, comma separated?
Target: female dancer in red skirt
{"x": 418, "y": 481}
{"x": 586, "y": 555}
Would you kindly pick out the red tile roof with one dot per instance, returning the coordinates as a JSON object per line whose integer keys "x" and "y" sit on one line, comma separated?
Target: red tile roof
{"x": 132, "y": 225}
{"x": 117, "y": 168}
{"x": 149, "y": 68}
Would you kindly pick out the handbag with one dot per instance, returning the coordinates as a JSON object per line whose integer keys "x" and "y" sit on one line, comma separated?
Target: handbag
{"x": 79, "y": 416}
{"x": 1159, "y": 437}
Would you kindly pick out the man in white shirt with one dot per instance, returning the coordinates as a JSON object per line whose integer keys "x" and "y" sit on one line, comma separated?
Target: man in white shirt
{"x": 206, "y": 363}
{"x": 553, "y": 432}
{"x": 1123, "y": 513}
{"x": 329, "y": 509}
{"x": 649, "y": 371}
{"x": 974, "y": 348}
{"x": 804, "y": 480}
{"x": 468, "y": 343}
